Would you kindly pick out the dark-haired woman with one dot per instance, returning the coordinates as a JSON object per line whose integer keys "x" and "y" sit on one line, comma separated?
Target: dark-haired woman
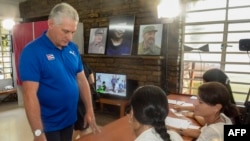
{"x": 149, "y": 108}
{"x": 211, "y": 75}
{"x": 214, "y": 75}
{"x": 219, "y": 76}
{"x": 214, "y": 105}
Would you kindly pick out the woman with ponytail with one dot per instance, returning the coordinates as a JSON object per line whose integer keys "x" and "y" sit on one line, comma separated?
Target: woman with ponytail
{"x": 149, "y": 108}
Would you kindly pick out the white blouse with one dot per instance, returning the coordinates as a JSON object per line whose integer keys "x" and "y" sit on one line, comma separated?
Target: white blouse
{"x": 214, "y": 132}
{"x": 152, "y": 135}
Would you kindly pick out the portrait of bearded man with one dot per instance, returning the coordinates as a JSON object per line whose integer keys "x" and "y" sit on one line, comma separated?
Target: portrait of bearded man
{"x": 150, "y": 40}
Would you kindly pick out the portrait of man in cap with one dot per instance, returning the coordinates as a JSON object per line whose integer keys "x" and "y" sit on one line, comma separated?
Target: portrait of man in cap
{"x": 150, "y": 39}
{"x": 97, "y": 40}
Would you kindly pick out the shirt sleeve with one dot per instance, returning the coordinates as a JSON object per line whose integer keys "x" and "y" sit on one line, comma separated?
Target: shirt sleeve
{"x": 29, "y": 67}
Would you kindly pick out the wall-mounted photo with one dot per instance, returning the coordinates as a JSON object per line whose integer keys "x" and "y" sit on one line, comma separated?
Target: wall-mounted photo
{"x": 150, "y": 39}
{"x": 120, "y": 35}
{"x": 97, "y": 40}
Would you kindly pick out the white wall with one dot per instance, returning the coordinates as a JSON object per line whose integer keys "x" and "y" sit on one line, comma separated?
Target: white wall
{"x": 9, "y": 9}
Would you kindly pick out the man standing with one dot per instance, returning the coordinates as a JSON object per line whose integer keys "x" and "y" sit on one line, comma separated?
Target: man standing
{"x": 52, "y": 74}
{"x": 148, "y": 46}
{"x": 97, "y": 46}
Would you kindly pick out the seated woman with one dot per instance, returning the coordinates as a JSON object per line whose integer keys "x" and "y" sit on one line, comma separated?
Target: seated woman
{"x": 149, "y": 108}
{"x": 212, "y": 75}
{"x": 214, "y": 105}
{"x": 216, "y": 75}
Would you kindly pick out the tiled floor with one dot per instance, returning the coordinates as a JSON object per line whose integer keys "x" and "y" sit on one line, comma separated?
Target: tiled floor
{"x": 13, "y": 123}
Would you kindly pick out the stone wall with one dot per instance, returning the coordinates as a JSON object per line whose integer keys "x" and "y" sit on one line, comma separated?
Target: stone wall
{"x": 96, "y": 13}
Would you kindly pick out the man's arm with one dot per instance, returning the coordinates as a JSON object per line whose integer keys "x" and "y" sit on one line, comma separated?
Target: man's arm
{"x": 32, "y": 107}
{"x": 87, "y": 100}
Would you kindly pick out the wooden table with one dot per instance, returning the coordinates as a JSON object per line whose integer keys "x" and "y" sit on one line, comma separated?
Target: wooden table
{"x": 121, "y": 130}
{"x": 122, "y": 103}
{"x": 181, "y": 97}
{"x": 7, "y": 92}
{"x": 11, "y": 94}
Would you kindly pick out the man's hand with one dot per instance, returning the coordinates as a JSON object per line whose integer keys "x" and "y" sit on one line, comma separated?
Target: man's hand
{"x": 90, "y": 120}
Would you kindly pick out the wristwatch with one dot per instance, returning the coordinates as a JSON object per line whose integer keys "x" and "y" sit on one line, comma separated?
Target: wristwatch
{"x": 38, "y": 132}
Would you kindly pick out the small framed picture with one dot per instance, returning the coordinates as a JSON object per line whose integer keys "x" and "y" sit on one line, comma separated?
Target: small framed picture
{"x": 97, "y": 40}
{"x": 120, "y": 35}
{"x": 150, "y": 39}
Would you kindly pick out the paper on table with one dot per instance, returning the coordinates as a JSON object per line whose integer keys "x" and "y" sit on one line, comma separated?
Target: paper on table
{"x": 178, "y": 123}
{"x": 171, "y": 101}
{"x": 193, "y": 97}
{"x": 193, "y": 127}
{"x": 183, "y": 103}
{"x": 187, "y": 104}
{"x": 178, "y": 114}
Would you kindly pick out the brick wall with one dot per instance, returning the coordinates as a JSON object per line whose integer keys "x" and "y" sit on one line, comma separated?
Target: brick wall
{"x": 144, "y": 69}
{"x": 160, "y": 70}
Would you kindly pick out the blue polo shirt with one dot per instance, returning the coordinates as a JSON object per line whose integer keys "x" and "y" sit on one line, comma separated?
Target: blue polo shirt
{"x": 55, "y": 70}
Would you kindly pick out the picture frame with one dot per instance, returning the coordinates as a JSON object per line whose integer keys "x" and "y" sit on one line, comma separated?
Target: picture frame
{"x": 120, "y": 35}
{"x": 97, "y": 40}
{"x": 150, "y": 39}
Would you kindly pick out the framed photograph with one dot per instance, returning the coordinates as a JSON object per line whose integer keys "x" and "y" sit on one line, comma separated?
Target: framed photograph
{"x": 97, "y": 40}
{"x": 150, "y": 39}
{"x": 120, "y": 35}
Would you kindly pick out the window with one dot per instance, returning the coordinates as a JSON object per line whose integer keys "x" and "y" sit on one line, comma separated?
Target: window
{"x": 5, "y": 54}
{"x": 212, "y": 30}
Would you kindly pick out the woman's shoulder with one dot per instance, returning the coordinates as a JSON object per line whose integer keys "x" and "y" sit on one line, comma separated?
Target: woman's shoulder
{"x": 212, "y": 132}
{"x": 226, "y": 119}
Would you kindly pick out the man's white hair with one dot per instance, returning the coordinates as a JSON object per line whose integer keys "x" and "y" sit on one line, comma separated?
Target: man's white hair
{"x": 63, "y": 10}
